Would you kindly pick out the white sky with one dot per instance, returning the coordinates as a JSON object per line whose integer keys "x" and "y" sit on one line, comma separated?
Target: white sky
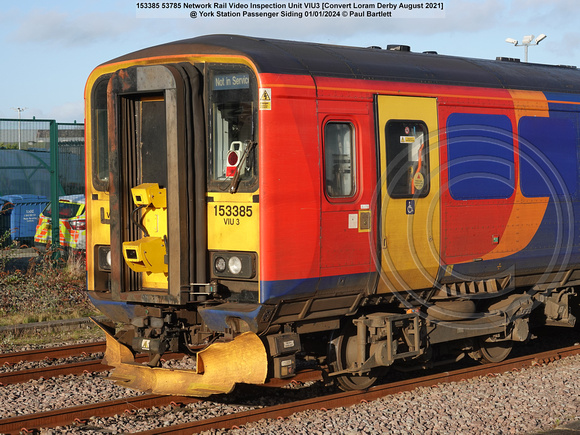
{"x": 48, "y": 48}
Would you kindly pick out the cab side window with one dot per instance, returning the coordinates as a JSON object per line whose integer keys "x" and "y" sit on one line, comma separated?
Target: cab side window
{"x": 339, "y": 162}
{"x": 407, "y": 159}
{"x": 100, "y": 148}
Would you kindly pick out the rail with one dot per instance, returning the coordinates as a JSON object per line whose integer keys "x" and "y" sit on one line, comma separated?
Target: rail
{"x": 79, "y": 414}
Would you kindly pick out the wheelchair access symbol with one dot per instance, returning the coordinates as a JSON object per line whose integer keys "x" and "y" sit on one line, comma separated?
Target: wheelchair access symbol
{"x": 410, "y": 206}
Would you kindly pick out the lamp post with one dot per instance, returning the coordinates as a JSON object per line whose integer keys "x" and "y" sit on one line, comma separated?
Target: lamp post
{"x": 19, "y": 110}
{"x": 526, "y": 42}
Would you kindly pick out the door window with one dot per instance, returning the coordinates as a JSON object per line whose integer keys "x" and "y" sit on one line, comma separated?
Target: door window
{"x": 407, "y": 159}
{"x": 339, "y": 159}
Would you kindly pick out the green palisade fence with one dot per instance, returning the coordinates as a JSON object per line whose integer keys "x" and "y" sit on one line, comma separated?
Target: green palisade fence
{"x": 42, "y": 157}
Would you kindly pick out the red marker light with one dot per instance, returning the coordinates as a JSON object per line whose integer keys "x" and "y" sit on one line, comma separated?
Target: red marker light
{"x": 233, "y": 160}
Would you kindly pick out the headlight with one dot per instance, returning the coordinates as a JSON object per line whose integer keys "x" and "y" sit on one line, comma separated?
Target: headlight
{"x": 104, "y": 258}
{"x": 235, "y": 265}
{"x": 220, "y": 264}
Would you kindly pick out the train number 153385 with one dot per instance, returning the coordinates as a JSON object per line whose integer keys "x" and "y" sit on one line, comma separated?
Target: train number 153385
{"x": 233, "y": 210}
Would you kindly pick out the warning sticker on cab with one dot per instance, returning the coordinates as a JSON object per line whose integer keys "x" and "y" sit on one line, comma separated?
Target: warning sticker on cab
{"x": 407, "y": 139}
{"x": 265, "y": 99}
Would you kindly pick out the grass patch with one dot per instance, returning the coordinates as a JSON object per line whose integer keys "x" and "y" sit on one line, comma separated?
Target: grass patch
{"x": 48, "y": 286}
{"x": 49, "y": 339}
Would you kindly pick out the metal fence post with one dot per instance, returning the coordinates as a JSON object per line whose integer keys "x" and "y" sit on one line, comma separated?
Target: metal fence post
{"x": 54, "y": 185}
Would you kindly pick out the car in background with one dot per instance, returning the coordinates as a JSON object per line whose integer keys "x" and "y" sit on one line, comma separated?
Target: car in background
{"x": 73, "y": 227}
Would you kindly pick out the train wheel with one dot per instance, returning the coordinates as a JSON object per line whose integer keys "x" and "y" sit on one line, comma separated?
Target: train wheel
{"x": 494, "y": 351}
{"x": 344, "y": 355}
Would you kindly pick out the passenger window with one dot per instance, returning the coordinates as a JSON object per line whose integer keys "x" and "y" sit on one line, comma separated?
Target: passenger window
{"x": 407, "y": 159}
{"x": 480, "y": 156}
{"x": 339, "y": 159}
{"x": 547, "y": 170}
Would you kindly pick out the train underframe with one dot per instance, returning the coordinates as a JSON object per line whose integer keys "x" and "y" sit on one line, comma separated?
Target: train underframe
{"x": 354, "y": 340}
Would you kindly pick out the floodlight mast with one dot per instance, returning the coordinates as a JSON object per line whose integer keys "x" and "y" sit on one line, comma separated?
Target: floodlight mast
{"x": 526, "y": 42}
{"x": 19, "y": 110}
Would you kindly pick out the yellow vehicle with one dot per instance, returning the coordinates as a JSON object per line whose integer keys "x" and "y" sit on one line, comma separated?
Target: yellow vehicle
{"x": 72, "y": 223}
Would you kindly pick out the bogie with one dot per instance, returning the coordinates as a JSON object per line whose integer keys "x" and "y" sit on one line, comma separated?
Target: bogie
{"x": 344, "y": 355}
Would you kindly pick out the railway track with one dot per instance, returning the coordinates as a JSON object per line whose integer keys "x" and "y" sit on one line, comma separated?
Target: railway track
{"x": 53, "y": 352}
{"x": 81, "y": 414}
{"x": 353, "y": 397}
{"x": 19, "y": 376}
{"x": 75, "y": 368}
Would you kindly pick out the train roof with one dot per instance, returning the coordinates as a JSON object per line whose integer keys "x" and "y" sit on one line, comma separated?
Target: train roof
{"x": 322, "y": 60}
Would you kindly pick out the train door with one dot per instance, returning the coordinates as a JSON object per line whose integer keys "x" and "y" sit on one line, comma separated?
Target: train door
{"x": 152, "y": 193}
{"x": 409, "y": 229}
{"x": 345, "y": 210}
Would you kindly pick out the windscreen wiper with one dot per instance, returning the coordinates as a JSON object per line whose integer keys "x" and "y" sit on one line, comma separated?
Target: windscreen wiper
{"x": 250, "y": 145}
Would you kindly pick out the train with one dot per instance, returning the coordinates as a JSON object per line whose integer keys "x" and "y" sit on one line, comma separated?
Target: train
{"x": 264, "y": 205}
